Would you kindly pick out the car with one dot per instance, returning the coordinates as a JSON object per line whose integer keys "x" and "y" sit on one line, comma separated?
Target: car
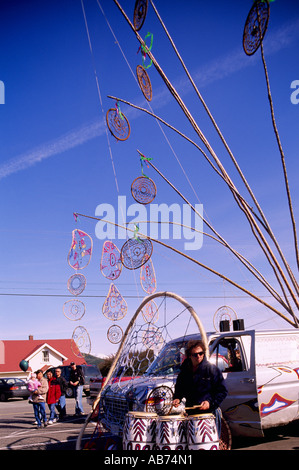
{"x": 11, "y": 387}
{"x": 88, "y": 372}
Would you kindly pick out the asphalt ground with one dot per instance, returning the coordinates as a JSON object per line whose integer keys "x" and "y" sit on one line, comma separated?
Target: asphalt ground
{"x": 18, "y": 432}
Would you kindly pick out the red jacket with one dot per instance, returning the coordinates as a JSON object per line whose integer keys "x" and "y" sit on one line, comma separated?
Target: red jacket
{"x": 54, "y": 391}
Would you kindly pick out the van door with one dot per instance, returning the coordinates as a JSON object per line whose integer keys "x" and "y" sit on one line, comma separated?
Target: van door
{"x": 234, "y": 354}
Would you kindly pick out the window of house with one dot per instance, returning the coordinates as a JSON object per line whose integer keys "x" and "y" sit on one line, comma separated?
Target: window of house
{"x": 45, "y": 356}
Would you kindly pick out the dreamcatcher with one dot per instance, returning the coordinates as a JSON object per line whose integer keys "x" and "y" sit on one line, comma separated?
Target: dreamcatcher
{"x": 114, "y": 307}
{"x": 143, "y": 190}
{"x": 150, "y": 312}
{"x": 148, "y": 277}
{"x": 144, "y": 82}
{"x": 80, "y": 343}
{"x": 117, "y": 123}
{"x": 115, "y": 334}
{"x": 81, "y": 250}
{"x": 160, "y": 400}
{"x": 74, "y": 309}
{"x": 140, "y": 11}
{"x": 255, "y": 26}
{"x": 224, "y": 313}
{"x": 135, "y": 252}
{"x": 111, "y": 264}
{"x": 76, "y": 284}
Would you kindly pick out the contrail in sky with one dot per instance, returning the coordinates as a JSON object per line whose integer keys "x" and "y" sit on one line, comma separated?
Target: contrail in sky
{"x": 211, "y": 72}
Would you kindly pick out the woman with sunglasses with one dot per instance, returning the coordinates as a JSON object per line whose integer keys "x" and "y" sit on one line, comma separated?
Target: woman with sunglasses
{"x": 199, "y": 382}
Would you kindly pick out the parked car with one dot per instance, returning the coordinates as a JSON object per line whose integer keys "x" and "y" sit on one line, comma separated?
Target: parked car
{"x": 88, "y": 372}
{"x": 13, "y": 388}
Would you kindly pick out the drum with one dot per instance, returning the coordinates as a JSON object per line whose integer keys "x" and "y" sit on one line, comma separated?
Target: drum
{"x": 171, "y": 433}
{"x": 139, "y": 431}
{"x": 202, "y": 432}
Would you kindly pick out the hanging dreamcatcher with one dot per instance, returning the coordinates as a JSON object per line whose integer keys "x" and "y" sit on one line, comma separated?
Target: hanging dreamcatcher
{"x": 117, "y": 123}
{"x": 76, "y": 284}
{"x": 111, "y": 264}
{"x": 135, "y": 252}
{"x": 224, "y": 313}
{"x": 144, "y": 82}
{"x": 74, "y": 309}
{"x": 150, "y": 312}
{"x": 148, "y": 277}
{"x": 143, "y": 190}
{"x": 256, "y": 26}
{"x": 114, "y": 307}
{"x": 115, "y": 334}
{"x": 80, "y": 342}
{"x": 81, "y": 250}
{"x": 140, "y": 11}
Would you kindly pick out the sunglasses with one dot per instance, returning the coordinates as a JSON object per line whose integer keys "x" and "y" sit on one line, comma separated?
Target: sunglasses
{"x": 197, "y": 354}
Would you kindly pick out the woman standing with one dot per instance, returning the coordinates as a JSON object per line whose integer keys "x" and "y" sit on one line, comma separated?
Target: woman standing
{"x": 53, "y": 396}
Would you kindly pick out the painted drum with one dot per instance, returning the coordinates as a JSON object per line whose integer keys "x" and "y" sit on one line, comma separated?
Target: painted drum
{"x": 139, "y": 431}
{"x": 171, "y": 433}
{"x": 202, "y": 432}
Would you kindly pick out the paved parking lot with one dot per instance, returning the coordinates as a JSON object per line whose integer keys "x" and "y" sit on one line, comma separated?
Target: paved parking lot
{"x": 18, "y": 432}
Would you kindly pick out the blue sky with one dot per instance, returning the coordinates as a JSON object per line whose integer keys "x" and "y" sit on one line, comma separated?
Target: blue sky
{"x": 55, "y": 157}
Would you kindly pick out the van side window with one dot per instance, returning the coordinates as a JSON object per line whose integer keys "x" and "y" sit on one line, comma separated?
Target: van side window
{"x": 228, "y": 356}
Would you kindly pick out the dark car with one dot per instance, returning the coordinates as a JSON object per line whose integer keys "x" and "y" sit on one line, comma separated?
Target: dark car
{"x": 13, "y": 388}
{"x": 88, "y": 372}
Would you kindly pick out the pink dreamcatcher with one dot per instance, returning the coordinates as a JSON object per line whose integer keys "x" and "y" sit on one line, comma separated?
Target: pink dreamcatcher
{"x": 111, "y": 264}
{"x": 80, "y": 252}
{"x": 148, "y": 277}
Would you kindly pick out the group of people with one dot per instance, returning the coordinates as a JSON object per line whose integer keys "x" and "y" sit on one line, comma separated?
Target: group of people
{"x": 51, "y": 391}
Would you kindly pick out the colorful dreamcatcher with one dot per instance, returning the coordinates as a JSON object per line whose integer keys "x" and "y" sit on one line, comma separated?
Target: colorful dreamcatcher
{"x": 81, "y": 250}
{"x": 111, "y": 264}
{"x": 80, "y": 342}
{"x": 144, "y": 82}
{"x": 224, "y": 313}
{"x": 135, "y": 252}
{"x": 117, "y": 123}
{"x": 114, "y": 307}
{"x": 140, "y": 11}
{"x": 115, "y": 334}
{"x": 150, "y": 312}
{"x": 256, "y": 26}
{"x": 148, "y": 277}
{"x": 74, "y": 309}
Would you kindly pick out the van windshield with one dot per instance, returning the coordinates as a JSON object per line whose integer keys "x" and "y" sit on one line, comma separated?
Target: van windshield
{"x": 169, "y": 360}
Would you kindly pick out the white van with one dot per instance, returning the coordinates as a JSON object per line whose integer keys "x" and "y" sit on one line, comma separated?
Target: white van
{"x": 261, "y": 371}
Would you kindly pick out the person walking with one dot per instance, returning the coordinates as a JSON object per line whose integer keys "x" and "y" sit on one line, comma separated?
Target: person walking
{"x": 63, "y": 386}
{"x": 77, "y": 381}
{"x": 39, "y": 400}
{"x": 53, "y": 396}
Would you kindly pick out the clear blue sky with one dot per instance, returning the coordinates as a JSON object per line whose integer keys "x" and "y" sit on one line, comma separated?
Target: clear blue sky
{"x": 55, "y": 160}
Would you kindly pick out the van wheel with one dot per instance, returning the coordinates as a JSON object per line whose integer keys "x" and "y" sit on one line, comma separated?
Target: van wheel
{"x": 225, "y": 441}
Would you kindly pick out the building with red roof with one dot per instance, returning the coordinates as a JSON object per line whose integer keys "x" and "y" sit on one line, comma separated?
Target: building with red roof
{"x": 39, "y": 353}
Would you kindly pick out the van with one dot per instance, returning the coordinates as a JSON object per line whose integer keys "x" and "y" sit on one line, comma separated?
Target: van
{"x": 261, "y": 372}
{"x": 88, "y": 372}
